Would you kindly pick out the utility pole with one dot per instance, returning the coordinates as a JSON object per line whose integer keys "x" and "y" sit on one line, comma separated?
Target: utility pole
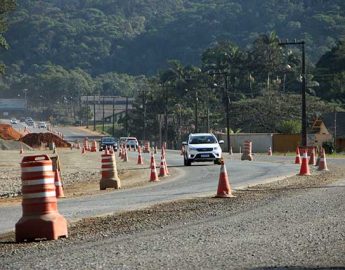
{"x": 208, "y": 113}
{"x": 126, "y": 122}
{"x": 335, "y": 128}
{"x": 113, "y": 130}
{"x": 166, "y": 116}
{"x": 227, "y": 105}
{"x": 303, "y": 89}
{"x": 227, "y": 112}
{"x": 87, "y": 112}
{"x": 94, "y": 112}
{"x": 144, "y": 115}
{"x": 103, "y": 114}
{"x": 196, "y": 111}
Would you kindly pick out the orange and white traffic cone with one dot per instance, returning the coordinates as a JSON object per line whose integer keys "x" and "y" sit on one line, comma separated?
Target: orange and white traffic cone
{"x": 58, "y": 185}
{"x": 153, "y": 175}
{"x": 323, "y": 162}
{"x": 94, "y": 146}
{"x": 165, "y": 163}
{"x": 140, "y": 159}
{"x": 123, "y": 153}
{"x": 57, "y": 177}
{"x": 269, "y": 151}
{"x": 304, "y": 166}
{"x": 162, "y": 170}
{"x": 298, "y": 156}
{"x": 125, "y": 157}
{"x": 224, "y": 189}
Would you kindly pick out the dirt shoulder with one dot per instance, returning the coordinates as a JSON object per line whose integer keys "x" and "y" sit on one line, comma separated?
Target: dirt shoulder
{"x": 80, "y": 173}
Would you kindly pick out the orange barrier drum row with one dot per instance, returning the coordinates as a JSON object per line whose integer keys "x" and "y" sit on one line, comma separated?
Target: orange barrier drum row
{"x": 40, "y": 219}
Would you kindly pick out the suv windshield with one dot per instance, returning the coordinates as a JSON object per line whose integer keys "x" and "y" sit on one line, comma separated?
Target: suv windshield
{"x": 108, "y": 139}
{"x": 202, "y": 139}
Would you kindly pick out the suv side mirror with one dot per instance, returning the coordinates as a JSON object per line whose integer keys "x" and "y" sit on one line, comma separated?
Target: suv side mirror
{"x": 184, "y": 143}
{"x": 221, "y": 142}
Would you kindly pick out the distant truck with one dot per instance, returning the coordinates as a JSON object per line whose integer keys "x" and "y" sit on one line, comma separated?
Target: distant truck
{"x": 108, "y": 142}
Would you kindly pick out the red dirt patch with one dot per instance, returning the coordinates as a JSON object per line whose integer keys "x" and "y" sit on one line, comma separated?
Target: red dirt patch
{"x": 9, "y": 133}
{"x": 36, "y": 139}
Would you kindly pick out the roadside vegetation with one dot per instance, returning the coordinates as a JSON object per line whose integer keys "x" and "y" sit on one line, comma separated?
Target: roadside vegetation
{"x": 186, "y": 60}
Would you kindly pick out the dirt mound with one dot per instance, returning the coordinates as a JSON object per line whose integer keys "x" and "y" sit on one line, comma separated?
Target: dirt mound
{"x": 7, "y": 132}
{"x": 37, "y": 139}
{"x": 13, "y": 145}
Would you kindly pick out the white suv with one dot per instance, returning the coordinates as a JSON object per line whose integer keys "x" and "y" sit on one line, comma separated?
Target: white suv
{"x": 202, "y": 147}
{"x": 132, "y": 142}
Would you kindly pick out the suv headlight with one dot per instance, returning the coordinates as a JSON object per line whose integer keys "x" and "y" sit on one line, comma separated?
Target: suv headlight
{"x": 192, "y": 148}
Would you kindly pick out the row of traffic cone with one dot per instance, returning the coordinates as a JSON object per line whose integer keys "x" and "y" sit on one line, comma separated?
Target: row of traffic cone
{"x": 305, "y": 162}
{"x": 163, "y": 169}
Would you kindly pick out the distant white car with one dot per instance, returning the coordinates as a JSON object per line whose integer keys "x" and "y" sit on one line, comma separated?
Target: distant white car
{"x": 132, "y": 142}
{"x": 14, "y": 121}
{"x": 42, "y": 125}
{"x": 202, "y": 147}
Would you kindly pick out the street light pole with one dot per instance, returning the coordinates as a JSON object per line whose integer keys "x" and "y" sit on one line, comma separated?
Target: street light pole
{"x": 113, "y": 130}
{"x": 304, "y": 107}
{"x": 227, "y": 112}
{"x": 94, "y": 112}
{"x": 26, "y": 100}
{"x": 196, "y": 111}
{"x": 126, "y": 122}
{"x": 103, "y": 114}
{"x": 144, "y": 115}
{"x": 166, "y": 116}
{"x": 208, "y": 113}
{"x": 227, "y": 105}
{"x": 87, "y": 111}
{"x": 303, "y": 90}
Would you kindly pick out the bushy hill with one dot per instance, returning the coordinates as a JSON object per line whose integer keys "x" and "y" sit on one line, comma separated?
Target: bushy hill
{"x": 138, "y": 36}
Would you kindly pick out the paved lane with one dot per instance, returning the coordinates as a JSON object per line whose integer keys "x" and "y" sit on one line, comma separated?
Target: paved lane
{"x": 197, "y": 180}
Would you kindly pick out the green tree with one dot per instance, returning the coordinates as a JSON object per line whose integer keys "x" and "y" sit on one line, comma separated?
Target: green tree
{"x": 292, "y": 126}
{"x": 330, "y": 73}
{"x": 5, "y": 7}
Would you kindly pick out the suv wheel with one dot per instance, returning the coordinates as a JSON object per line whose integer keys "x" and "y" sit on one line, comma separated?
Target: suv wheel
{"x": 217, "y": 161}
{"x": 186, "y": 161}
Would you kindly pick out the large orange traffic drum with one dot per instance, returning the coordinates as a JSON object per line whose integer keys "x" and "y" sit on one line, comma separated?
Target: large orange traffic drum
{"x": 40, "y": 219}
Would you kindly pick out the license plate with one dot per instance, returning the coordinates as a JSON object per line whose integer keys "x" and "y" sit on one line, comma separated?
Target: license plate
{"x": 205, "y": 155}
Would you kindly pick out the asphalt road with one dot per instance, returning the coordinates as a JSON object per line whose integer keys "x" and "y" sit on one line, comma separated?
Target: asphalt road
{"x": 73, "y": 134}
{"x": 196, "y": 180}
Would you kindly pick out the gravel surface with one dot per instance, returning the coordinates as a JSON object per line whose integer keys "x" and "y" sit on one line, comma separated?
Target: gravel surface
{"x": 293, "y": 223}
{"x": 80, "y": 174}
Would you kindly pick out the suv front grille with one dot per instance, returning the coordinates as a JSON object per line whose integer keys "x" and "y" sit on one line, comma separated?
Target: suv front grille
{"x": 204, "y": 149}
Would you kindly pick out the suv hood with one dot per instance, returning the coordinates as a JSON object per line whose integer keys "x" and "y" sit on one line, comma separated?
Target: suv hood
{"x": 204, "y": 145}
